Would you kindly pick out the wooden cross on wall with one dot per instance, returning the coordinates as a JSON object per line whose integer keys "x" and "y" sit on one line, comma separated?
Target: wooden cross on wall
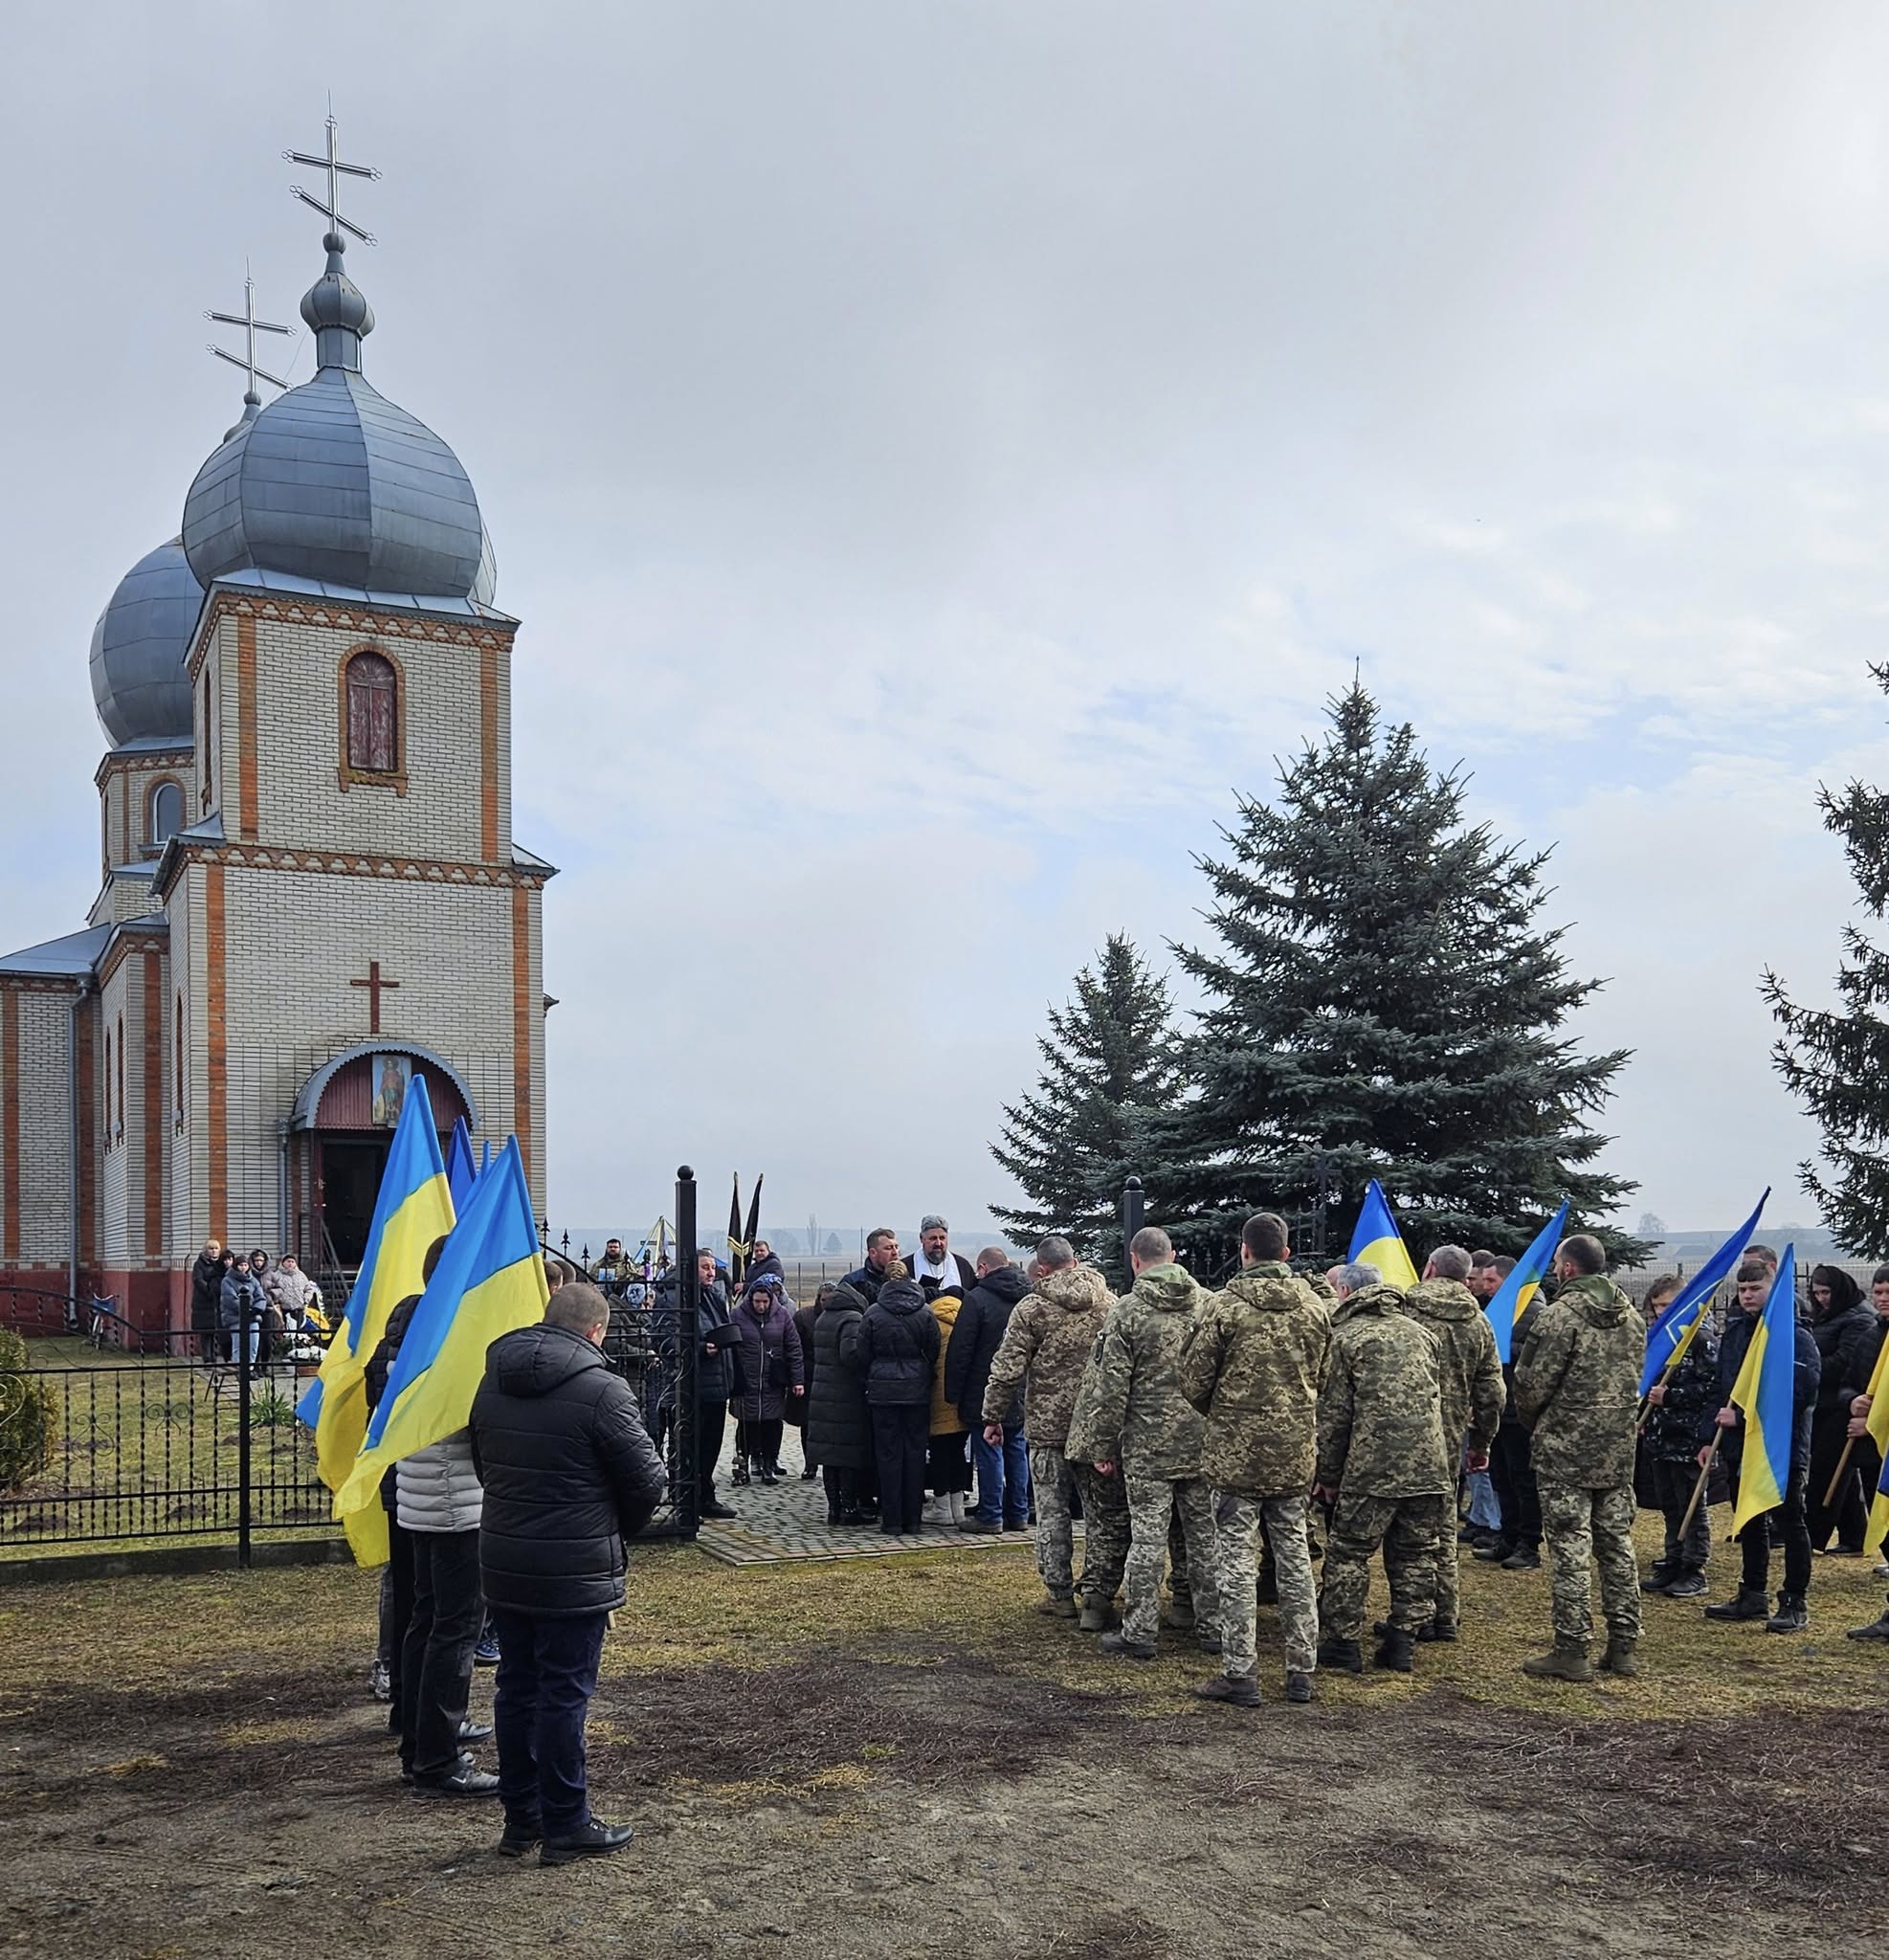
{"x": 375, "y": 987}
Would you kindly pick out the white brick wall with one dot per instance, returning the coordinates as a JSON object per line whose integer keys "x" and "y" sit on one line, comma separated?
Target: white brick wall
{"x": 45, "y": 1205}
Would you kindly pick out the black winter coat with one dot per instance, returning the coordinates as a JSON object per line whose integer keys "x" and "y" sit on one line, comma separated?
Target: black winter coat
{"x": 1847, "y": 1342}
{"x": 839, "y": 1424}
{"x": 980, "y": 1326}
{"x": 206, "y": 1292}
{"x": 798, "y": 1406}
{"x": 771, "y": 1362}
{"x": 569, "y": 1473}
{"x": 1732, "y": 1349}
{"x": 898, "y": 1346}
{"x": 1692, "y": 1392}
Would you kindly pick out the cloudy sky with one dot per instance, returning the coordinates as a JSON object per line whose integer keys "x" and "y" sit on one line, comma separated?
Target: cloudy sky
{"x": 941, "y": 452}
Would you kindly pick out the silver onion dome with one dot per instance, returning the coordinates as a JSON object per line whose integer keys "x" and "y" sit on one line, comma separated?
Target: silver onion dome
{"x": 139, "y": 683}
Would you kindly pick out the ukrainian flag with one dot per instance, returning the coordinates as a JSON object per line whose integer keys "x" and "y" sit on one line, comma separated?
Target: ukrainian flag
{"x": 1879, "y": 1512}
{"x": 413, "y": 1208}
{"x": 1671, "y": 1334}
{"x": 489, "y": 1280}
{"x": 1517, "y": 1293}
{"x": 1377, "y": 1242}
{"x": 1764, "y": 1394}
{"x": 461, "y": 1172}
{"x": 1879, "y": 1430}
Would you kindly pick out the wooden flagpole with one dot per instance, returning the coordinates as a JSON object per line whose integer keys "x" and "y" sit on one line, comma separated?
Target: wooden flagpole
{"x": 1698, "y": 1488}
{"x": 1842, "y": 1465}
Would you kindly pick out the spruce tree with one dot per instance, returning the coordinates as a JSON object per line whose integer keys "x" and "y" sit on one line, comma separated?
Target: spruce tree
{"x": 1386, "y": 1002}
{"x": 1836, "y": 1060}
{"x": 1109, "y": 1063}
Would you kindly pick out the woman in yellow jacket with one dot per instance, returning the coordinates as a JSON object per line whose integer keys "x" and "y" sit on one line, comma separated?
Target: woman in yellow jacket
{"x": 948, "y": 1466}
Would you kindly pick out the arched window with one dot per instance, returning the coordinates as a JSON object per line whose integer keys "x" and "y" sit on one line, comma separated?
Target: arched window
{"x": 373, "y": 715}
{"x": 164, "y": 815}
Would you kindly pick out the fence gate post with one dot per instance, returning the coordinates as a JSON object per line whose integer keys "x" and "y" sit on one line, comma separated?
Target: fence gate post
{"x": 685, "y": 1493}
{"x": 1131, "y": 1219}
{"x": 243, "y": 1511}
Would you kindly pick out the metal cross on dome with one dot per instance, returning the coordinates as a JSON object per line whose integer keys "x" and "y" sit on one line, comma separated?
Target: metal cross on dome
{"x": 251, "y": 326}
{"x": 331, "y": 162}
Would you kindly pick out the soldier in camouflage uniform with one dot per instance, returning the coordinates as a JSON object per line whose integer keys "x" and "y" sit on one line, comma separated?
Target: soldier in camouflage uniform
{"x": 1383, "y": 1467}
{"x": 1577, "y": 1383}
{"x": 1046, "y": 1346}
{"x": 1252, "y": 1364}
{"x": 1474, "y": 1395}
{"x": 1105, "y": 1502}
{"x": 1144, "y": 1424}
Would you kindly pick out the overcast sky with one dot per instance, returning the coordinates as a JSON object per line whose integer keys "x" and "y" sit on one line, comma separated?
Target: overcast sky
{"x": 940, "y": 452}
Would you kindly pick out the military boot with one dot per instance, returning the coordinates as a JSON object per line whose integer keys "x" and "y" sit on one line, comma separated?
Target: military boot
{"x": 1495, "y": 1552}
{"x": 1054, "y": 1606}
{"x": 1298, "y": 1687}
{"x": 1564, "y": 1661}
{"x": 1094, "y": 1616}
{"x": 1346, "y": 1653}
{"x": 1660, "y": 1578}
{"x": 1619, "y": 1658}
{"x": 1177, "y": 1611}
{"x": 1876, "y": 1630}
{"x": 1396, "y": 1650}
{"x": 1792, "y": 1617}
{"x": 1238, "y": 1690}
{"x": 1748, "y": 1604}
{"x": 1119, "y": 1647}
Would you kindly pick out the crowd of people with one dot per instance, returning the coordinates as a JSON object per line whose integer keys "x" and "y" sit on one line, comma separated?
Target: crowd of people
{"x": 270, "y": 1307}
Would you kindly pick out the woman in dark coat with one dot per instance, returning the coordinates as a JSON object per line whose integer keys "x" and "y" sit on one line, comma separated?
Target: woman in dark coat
{"x": 839, "y": 1423}
{"x": 804, "y": 1318}
{"x": 775, "y": 1372}
{"x": 896, "y": 1344}
{"x": 205, "y": 1292}
{"x": 1844, "y": 1327}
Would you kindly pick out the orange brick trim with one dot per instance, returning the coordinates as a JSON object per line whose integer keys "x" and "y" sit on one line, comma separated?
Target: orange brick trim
{"x": 488, "y": 751}
{"x": 88, "y": 1138}
{"x": 246, "y": 786}
{"x": 10, "y": 1123}
{"x": 179, "y": 758}
{"x": 154, "y": 1058}
{"x": 522, "y": 1025}
{"x": 345, "y": 773}
{"x": 366, "y": 620}
{"x": 216, "y": 1072}
{"x": 125, "y": 947}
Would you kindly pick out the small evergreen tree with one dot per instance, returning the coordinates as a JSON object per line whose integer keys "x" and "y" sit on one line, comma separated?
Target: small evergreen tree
{"x": 1836, "y": 1060}
{"x": 1109, "y": 1063}
{"x": 1385, "y": 1002}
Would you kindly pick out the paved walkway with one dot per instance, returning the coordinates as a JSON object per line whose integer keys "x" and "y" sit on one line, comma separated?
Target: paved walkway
{"x": 787, "y": 1521}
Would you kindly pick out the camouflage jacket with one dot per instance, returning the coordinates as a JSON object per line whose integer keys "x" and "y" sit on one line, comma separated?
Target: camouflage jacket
{"x": 1252, "y": 1364}
{"x": 1577, "y": 1385}
{"x": 1141, "y": 1420}
{"x": 1381, "y": 1414}
{"x": 1473, "y": 1389}
{"x": 1044, "y": 1350}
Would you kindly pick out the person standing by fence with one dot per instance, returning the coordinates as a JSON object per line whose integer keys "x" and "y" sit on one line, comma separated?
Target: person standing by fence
{"x": 206, "y": 1301}
{"x": 776, "y": 1372}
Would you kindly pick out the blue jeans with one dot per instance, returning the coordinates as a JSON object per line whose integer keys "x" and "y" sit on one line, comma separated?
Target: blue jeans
{"x": 1484, "y": 1510}
{"x": 1003, "y": 1478}
{"x": 548, "y": 1672}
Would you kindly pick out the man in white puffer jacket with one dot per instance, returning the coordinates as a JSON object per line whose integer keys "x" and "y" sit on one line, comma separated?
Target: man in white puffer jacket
{"x": 439, "y": 1500}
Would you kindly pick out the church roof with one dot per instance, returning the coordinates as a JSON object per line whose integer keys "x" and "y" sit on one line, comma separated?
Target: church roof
{"x": 70, "y": 958}
{"x": 140, "y": 686}
{"x": 259, "y": 579}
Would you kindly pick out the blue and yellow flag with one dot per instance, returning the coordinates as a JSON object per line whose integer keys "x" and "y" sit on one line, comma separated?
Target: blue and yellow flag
{"x": 1671, "y": 1334}
{"x": 1377, "y": 1241}
{"x": 1879, "y": 1510}
{"x": 413, "y": 1208}
{"x": 461, "y": 1172}
{"x": 1517, "y": 1293}
{"x": 489, "y": 1279}
{"x": 1879, "y": 1431}
{"x": 1765, "y": 1394}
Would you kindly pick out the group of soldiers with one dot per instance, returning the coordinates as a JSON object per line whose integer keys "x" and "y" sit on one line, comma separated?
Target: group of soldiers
{"x": 1215, "y": 1431}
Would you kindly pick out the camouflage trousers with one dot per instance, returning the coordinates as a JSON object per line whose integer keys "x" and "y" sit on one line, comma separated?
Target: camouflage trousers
{"x": 1152, "y": 1501}
{"x": 1104, "y": 1531}
{"x": 1409, "y": 1529}
{"x": 1449, "y": 1579}
{"x": 1583, "y": 1526}
{"x": 1053, "y": 1477}
{"x": 1236, "y": 1527}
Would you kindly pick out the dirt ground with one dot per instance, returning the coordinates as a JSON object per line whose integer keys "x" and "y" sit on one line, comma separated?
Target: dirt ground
{"x": 903, "y": 1758}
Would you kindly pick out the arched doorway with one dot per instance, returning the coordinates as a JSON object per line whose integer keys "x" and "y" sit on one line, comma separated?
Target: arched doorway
{"x": 339, "y": 1137}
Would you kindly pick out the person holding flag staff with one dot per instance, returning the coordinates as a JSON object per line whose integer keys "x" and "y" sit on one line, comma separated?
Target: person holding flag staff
{"x": 1577, "y": 1388}
{"x": 1869, "y": 1427}
{"x": 1675, "y": 1402}
{"x": 1768, "y": 1373}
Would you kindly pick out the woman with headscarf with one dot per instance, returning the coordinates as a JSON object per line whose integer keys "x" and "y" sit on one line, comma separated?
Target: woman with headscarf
{"x": 775, "y": 1370}
{"x": 1844, "y": 1327}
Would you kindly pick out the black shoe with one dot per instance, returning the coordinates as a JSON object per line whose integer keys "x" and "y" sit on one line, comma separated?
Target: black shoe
{"x": 475, "y": 1731}
{"x": 519, "y": 1838}
{"x": 807, "y": 1475}
{"x": 1744, "y": 1604}
{"x": 1345, "y": 1654}
{"x": 767, "y": 1476}
{"x": 715, "y": 1509}
{"x": 1495, "y": 1552}
{"x": 1396, "y": 1650}
{"x": 467, "y": 1779}
{"x": 595, "y": 1839}
{"x": 1686, "y": 1586}
{"x": 739, "y": 1474}
{"x": 1792, "y": 1617}
{"x": 1659, "y": 1579}
{"x": 1524, "y": 1558}
{"x": 986, "y": 1527}
{"x": 1299, "y": 1687}
{"x": 1876, "y": 1630}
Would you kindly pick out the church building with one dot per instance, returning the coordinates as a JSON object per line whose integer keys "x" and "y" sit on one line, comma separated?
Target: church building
{"x": 309, "y": 891}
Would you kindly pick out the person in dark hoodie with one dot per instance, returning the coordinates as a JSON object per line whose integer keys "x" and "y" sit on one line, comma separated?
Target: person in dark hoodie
{"x": 839, "y": 1420}
{"x": 897, "y": 1348}
{"x": 1845, "y": 1328}
{"x": 569, "y": 1476}
{"x": 1787, "y": 1523}
{"x": 1003, "y": 1471}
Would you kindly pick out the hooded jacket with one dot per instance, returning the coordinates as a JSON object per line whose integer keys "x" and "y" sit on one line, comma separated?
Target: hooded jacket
{"x": 1045, "y": 1348}
{"x": 1846, "y": 1340}
{"x": 568, "y": 1473}
{"x": 1142, "y": 1421}
{"x": 1381, "y": 1415}
{"x": 1473, "y": 1392}
{"x": 945, "y": 1308}
{"x": 1252, "y": 1364}
{"x": 241, "y": 1295}
{"x": 896, "y": 1344}
{"x": 1577, "y": 1385}
{"x": 839, "y": 1422}
{"x": 982, "y": 1322}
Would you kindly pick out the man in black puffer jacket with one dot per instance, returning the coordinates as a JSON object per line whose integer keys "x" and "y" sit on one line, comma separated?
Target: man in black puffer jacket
{"x": 896, "y": 1347}
{"x": 1002, "y": 1475}
{"x": 569, "y": 1474}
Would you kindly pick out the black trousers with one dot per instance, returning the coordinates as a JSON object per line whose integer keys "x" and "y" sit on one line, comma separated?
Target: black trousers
{"x": 1850, "y": 1513}
{"x": 842, "y": 1488}
{"x": 1512, "y": 1470}
{"x": 1674, "y": 1483}
{"x": 396, "y": 1611}
{"x": 761, "y": 1440}
{"x": 711, "y": 1426}
{"x": 1787, "y": 1525}
{"x": 548, "y": 1672}
{"x": 437, "y": 1660}
{"x": 901, "y": 1435}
